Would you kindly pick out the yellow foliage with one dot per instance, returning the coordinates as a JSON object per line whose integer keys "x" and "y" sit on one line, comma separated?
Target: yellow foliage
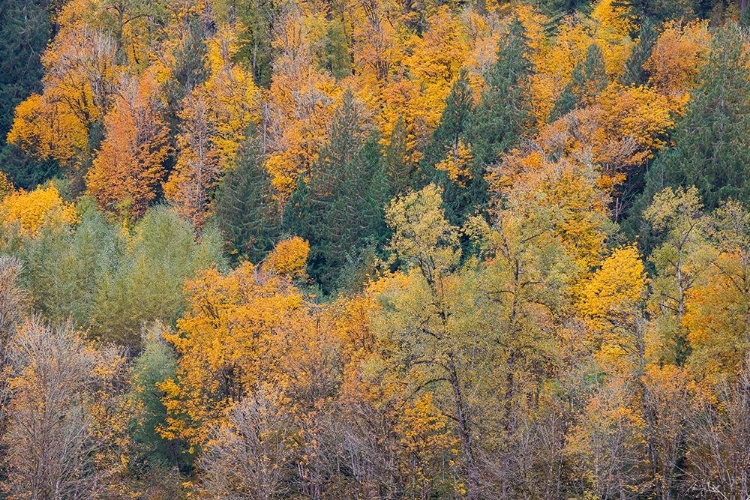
{"x": 534, "y": 26}
{"x": 614, "y": 25}
{"x": 198, "y": 161}
{"x": 610, "y": 302}
{"x": 434, "y": 61}
{"x": 609, "y": 28}
{"x": 231, "y": 96}
{"x": 421, "y": 234}
{"x": 483, "y": 40}
{"x": 554, "y": 64}
{"x": 228, "y": 341}
{"x": 301, "y": 102}
{"x": 396, "y": 98}
{"x": 677, "y": 58}
{"x": 614, "y": 290}
{"x": 216, "y": 117}
{"x": 569, "y": 192}
{"x": 623, "y": 129}
{"x": 715, "y": 317}
{"x": 48, "y": 130}
{"x": 425, "y": 437}
{"x": 670, "y": 387}
{"x": 610, "y": 429}
{"x": 458, "y": 164}
{"x": 559, "y": 56}
{"x": 35, "y": 210}
{"x": 289, "y": 257}
{"x": 80, "y": 72}
{"x": 402, "y": 75}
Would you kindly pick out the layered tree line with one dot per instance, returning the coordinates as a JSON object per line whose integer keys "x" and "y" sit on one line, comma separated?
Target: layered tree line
{"x": 383, "y": 249}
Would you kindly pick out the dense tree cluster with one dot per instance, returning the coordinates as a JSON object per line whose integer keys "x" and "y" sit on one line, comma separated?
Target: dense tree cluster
{"x": 377, "y": 250}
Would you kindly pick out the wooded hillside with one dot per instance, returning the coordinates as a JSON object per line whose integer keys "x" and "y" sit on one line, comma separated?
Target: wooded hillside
{"x": 374, "y": 249}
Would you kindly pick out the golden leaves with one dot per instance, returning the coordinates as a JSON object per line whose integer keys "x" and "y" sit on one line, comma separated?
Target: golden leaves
{"x": 228, "y": 342}
{"x": 457, "y": 164}
{"x": 615, "y": 289}
{"x": 677, "y": 58}
{"x": 130, "y": 164}
{"x": 635, "y": 123}
{"x": 47, "y": 130}
{"x": 31, "y": 211}
{"x": 301, "y": 102}
{"x": 289, "y": 257}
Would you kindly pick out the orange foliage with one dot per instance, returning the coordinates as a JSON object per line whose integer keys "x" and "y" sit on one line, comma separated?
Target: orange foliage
{"x": 129, "y": 167}
{"x": 198, "y": 162}
{"x": 677, "y": 58}
{"x": 227, "y": 342}
{"x": 301, "y": 102}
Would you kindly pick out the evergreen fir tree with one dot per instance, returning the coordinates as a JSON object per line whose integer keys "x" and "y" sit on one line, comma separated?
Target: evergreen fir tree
{"x": 245, "y": 210}
{"x": 634, "y": 73}
{"x": 155, "y": 364}
{"x": 336, "y": 56}
{"x": 398, "y": 169}
{"x": 503, "y": 114}
{"x": 340, "y": 207}
{"x": 665, "y": 10}
{"x": 450, "y": 133}
{"x": 255, "y": 44}
{"x": 454, "y": 122}
{"x": 25, "y": 29}
{"x": 712, "y": 150}
{"x": 25, "y": 171}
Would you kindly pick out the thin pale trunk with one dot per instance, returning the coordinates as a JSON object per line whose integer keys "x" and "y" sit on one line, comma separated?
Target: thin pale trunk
{"x": 464, "y": 430}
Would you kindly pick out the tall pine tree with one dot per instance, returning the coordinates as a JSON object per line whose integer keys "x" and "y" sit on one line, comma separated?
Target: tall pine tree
{"x": 398, "y": 169}
{"x": 339, "y": 209}
{"x": 503, "y": 114}
{"x": 25, "y": 30}
{"x": 712, "y": 150}
{"x": 245, "y": 209}
{"x": 589, "y": 78}
{"x": 634, "y": 73}
{"x": 461, "y": 178}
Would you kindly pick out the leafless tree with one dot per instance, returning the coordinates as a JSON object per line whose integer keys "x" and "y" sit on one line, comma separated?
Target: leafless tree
{"x": 607, "y": 446}
{"x": 13, "y": 303}
{"x": 50, "y": 438}
{"x": 720, "y": 440}
{"x": 248, "y": 458}
{"x": 369, "y": 451}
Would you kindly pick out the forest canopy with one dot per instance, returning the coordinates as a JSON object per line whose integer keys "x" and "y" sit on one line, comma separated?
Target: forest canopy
{"x": 374, "y": 249}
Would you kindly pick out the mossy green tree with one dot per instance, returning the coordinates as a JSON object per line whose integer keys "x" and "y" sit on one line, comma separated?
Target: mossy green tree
{"x": 148, "y": 281}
